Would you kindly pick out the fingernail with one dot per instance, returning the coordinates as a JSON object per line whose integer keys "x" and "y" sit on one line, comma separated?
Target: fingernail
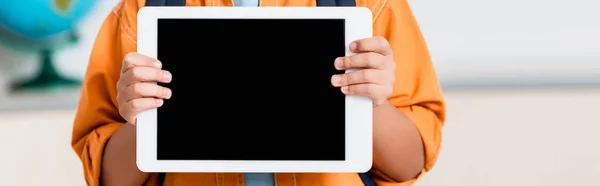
{"x": 344, "y": 89}
{"x": 167, "y": 93}
{"x": 167, "y": 76}
{"x": 336, "y": 79}
{"x": 159, "y": 102}
{"x": 339, "y": 63}
{"x": 157, "y": 64}
{"x": 353, "y": 46}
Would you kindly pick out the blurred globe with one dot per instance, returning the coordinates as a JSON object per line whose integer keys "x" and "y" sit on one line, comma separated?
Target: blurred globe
{"x": 41, "y": 19}
{"x": 41, "y": 26}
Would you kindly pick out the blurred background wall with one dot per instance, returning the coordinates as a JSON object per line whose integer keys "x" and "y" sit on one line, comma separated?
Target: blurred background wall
{"x": 521, "y": 78}
{"x": 512, "y": 42}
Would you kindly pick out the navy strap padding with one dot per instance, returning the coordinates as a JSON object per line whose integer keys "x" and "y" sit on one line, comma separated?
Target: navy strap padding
{"x": 175, "y": 2}
{"x": 336, "y": 3}
{"x": 165, "y": 2}
{"x": 346, "y": 2}
{"x": 156, "y": 2}
{"x": 366, "y": 178}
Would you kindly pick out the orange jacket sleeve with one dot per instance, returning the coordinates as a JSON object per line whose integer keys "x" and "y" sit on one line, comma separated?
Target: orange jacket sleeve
{"x": 416, "y": 91}
{"x": 97, "y": 117}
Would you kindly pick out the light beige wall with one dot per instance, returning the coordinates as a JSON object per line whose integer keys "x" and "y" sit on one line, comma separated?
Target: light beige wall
{"x": 36, "y": 149}
{"x": 546, "y": 137}
{"x": 492, "y": 138}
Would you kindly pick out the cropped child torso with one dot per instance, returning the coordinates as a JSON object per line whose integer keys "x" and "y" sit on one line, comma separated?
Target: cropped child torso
{"x": 416, "y": 93}
{"x": 281, "y": 179}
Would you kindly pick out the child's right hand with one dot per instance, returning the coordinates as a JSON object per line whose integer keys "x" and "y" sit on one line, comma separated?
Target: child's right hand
{"x": 136, "y": 88}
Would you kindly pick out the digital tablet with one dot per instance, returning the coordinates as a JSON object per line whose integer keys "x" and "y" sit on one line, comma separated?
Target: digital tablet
{"x": 252, "y": 90}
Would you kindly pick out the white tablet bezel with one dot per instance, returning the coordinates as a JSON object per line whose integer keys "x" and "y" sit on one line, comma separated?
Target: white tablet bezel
{"x": 358, "y": 109}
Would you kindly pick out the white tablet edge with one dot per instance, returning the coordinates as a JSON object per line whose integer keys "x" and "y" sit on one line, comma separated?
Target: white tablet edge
{"x": 358, "y": 109}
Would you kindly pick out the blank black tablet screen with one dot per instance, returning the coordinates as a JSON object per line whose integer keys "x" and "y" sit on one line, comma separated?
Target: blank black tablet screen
{"x": 251, "y": 89}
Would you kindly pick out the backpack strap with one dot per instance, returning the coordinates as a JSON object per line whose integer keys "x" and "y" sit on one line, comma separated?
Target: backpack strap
{"x": 165, "y": 2}
{"x": 367, "y": 179}
{"x": 336, "y": 3}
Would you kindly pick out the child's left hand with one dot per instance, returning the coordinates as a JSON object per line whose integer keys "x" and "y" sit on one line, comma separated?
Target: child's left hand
{"x": 376, "y": 70}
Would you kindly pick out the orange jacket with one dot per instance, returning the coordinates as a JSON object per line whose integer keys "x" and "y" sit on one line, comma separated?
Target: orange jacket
{"x": 416, "y": 92}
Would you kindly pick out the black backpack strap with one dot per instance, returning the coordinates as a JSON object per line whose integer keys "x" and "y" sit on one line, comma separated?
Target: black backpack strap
{"x": 367, "y": 179}
{"x": 345, "y": 2}
{"x": 336, "y": 2}
{"x": 165, "y": 2}
{"x": 156, "y": 2}
{"x": 175, "y": 2}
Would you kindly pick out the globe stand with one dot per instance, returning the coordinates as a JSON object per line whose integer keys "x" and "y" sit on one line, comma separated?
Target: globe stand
{"x": 48, "y": 77}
